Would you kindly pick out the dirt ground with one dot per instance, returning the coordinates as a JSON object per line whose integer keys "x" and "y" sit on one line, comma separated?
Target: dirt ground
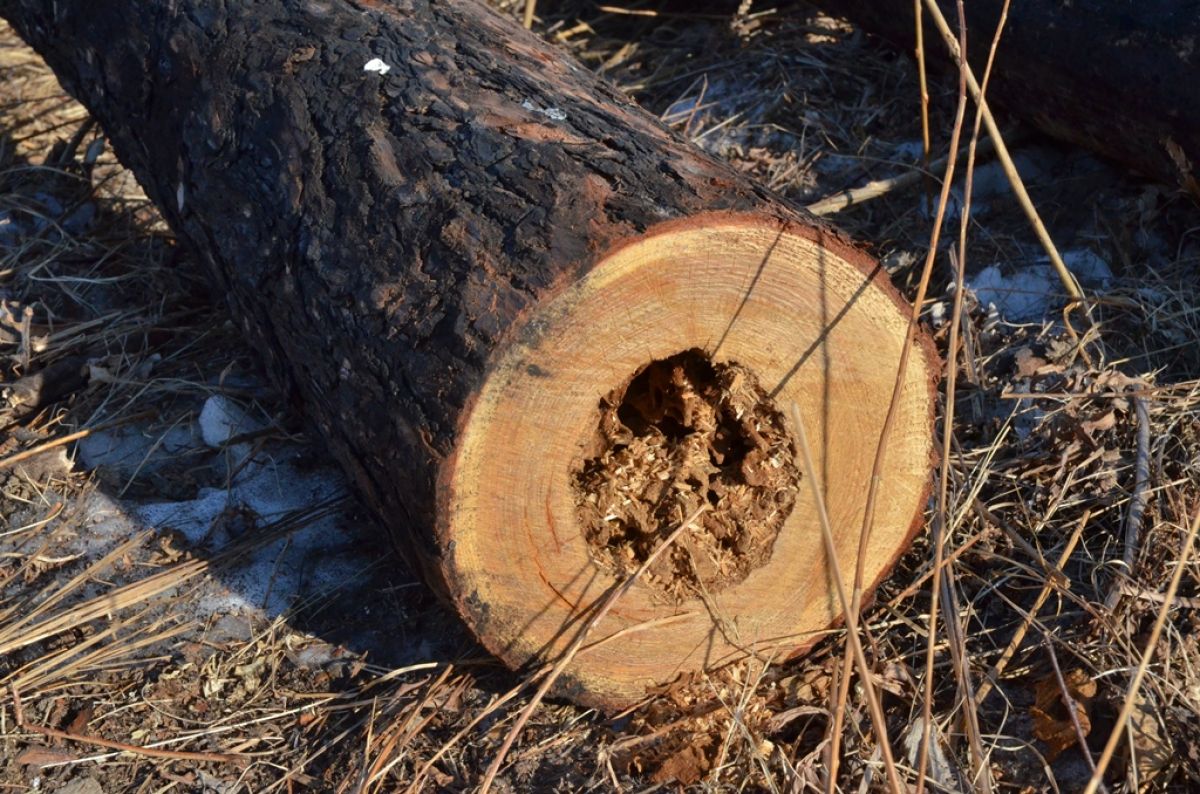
{"x": 190, "y": 592}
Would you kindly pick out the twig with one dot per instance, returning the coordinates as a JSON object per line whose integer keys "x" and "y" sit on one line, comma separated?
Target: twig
{"x": 576, "y": 644}
{"x": 174, "y": 755}
{"x": 1006, "y": 161}
{"x": 915, "y": 586}
{"x": 12, "y": 460}
{"x": 1030, "y": 550}
{"x": 881, "y": 187}
{"x": 923, "y": 85}
{"x": 877, "y": 718}
{"x": 980, "y": 772}
{"x": 1137, "y": 504}
{"x": 419, "y": 777}
{"x": 993, "y": 676}
{"x": 877, "y": 466}
{"x": 1147, "y": 654}
{"x": 527, "y": 20}
{"x": 1071, "y": 705}
{"x": 1182, "y": 602}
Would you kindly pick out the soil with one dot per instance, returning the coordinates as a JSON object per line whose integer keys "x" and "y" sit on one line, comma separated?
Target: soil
{"x": 685, "y": 431}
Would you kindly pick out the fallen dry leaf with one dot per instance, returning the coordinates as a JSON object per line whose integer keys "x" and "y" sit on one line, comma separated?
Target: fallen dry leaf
{"x": 37, "y": 755}
{"x": 1152, "y": 751}
{"x": 1052, "y": 721}
{"x": 687, "y": 765}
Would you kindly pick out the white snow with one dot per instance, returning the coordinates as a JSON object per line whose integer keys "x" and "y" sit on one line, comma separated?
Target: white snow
{"x": 1023, "y": 296}
{"x": 126, "y": 448}
{"x": 908, "y": 151}
{"x": 264, "y": 491}
{"x": 1089, "y": 268}
{"x": 1028, "y": 293}
{"x": 310, "y": 561}
{"x": 222, "y": 419}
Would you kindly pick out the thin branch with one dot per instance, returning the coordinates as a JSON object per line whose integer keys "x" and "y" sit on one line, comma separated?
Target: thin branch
{"x": 1006, "y": 161}
{"x": 173, "y": 755}
{"x": 923, "y": 85}
{"x": 1071, "y": 705}
{"x": 882, "y": 187}
{"x": 12, "y": 460}
{"x": 1137, "y": 504}
{"x": 607, "y": 604}
{"x": 855, "y": 642}
{"x": 993, "y": 676}
{"x": 1147, "y": 654}
{"x": 877, "y": 466}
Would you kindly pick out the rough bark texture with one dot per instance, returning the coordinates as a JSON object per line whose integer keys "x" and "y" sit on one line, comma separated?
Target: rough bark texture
{"x": 1116, "y": 77}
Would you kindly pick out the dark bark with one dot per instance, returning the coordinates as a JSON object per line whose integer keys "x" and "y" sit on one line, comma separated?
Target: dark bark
{"x": 1117, "y": 77}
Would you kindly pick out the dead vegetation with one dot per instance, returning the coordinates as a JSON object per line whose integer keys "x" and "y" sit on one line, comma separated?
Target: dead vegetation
{"x": 133, "y": 659}
{"x": 685, "y": 432}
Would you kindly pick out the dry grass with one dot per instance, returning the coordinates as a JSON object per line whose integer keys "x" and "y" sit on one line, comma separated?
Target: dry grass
{"x": 100, "y": 637}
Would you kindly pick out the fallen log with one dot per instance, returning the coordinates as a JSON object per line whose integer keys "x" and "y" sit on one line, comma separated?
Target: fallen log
{"x": 1115, "y": 78}
{"x": 536, "y": 328}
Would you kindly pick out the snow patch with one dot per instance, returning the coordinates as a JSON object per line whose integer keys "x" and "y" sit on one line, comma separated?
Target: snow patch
{"x": 1028, "y": 293}
{"x": 1023, "y": 296}
{"x": 908, "y": 151}
{"x": 222, "y": 419}
{"x": 274, "y": 576}
{"x": 1089, "y": 268}
{"x": 126, "y": 448}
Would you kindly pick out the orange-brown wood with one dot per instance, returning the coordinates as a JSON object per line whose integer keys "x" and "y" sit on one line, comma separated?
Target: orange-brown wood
{"x": 817, "y": 328}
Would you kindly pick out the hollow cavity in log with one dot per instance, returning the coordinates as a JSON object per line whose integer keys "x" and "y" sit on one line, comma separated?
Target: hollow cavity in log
{"x": 684, "y": 430}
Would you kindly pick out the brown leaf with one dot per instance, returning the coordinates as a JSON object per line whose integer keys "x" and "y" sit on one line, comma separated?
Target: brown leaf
{"x": 687, "y": 765}
{"x": 37, "y": 755}
{"x": 1187, "y": 179}
{"x": 1152, "y": 750}
{"x": 1105, "y": 421}
{"x": 1052, "y": 721}
{"x": 82, "y": 718}
{"x": 1030, "y": 364}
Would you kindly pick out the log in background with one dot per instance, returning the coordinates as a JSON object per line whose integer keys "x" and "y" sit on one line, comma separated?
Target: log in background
{"x": 1119, "y": 78}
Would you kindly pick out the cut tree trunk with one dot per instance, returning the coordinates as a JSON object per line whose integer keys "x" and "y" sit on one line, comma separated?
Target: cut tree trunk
{"x": 1114, "y": 77}
{"x": 536, "y": 328}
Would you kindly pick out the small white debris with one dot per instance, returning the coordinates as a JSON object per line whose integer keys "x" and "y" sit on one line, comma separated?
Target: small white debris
{"x": 937, "y": 314}
{"x": 94, "y": 150}
{"x": 1089, "y": 268}
{"x": 554, "y": 114}
{"x": 376, "y": 65}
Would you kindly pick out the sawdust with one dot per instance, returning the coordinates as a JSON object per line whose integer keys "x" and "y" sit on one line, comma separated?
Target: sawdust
{"x": 682, "y": 431}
